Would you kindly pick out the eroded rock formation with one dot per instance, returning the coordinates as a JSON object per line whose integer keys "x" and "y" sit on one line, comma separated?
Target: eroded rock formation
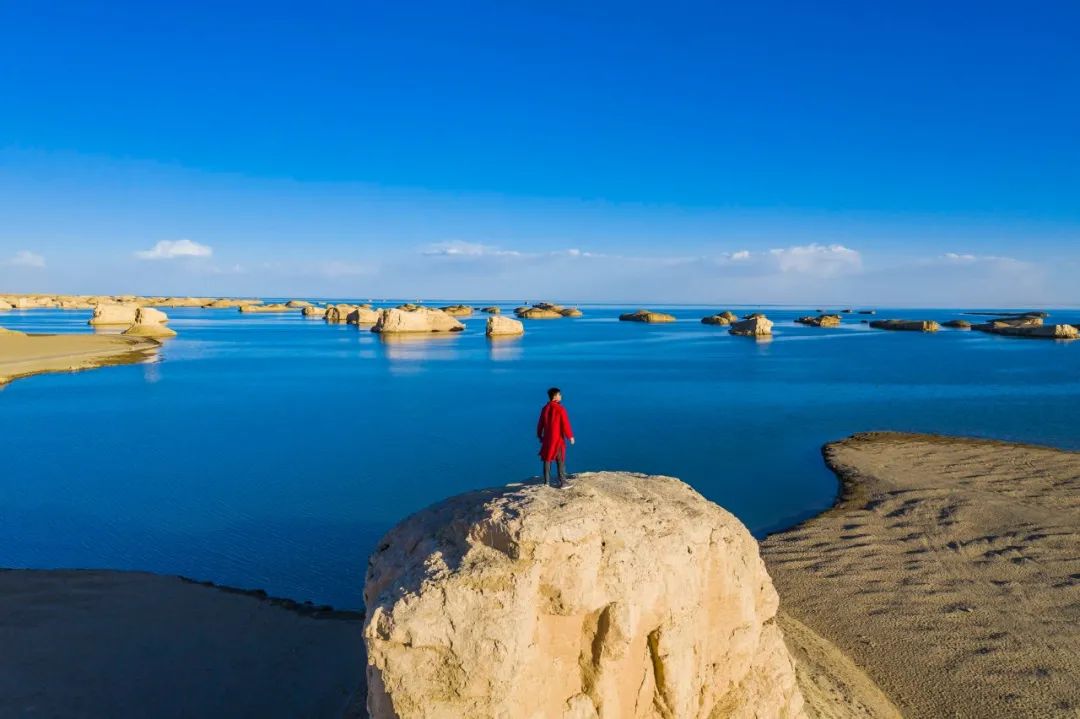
{"x": 906, "y": 325}
{"x": 646, "y": 316}
{"x": 758, "y": 325}
{"x": 420, "y": 319}
{"x": 150, "y": 323}
{"x": 499, "y": 326}
{"x": 113, "y": 314}
{"x": 820, "y": 320}
{"x": 618, "y": 596}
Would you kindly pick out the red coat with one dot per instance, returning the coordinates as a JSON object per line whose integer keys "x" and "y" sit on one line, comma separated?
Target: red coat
{"x": 553, "y": 429}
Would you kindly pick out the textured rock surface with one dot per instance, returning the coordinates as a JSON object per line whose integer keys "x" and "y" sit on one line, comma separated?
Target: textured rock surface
{"x": 538, "y": 313}
{"x": 338, "y": 313}
{"x": 362, "y": 316}
{"x": 1052, "y": 332}
{"x": 820, "y": 320}
{"x": 114, "y": 315}
{"x": 620, "y": 595}
{"x": 756, "y": 326}
{"x": 457, "y": 310}
{"x": 421, "y": 319}
{"x": 498, "y": 326}
{"x": 647, "y": 316}
{"x": 906, "y": 325}
{"x": 715, "y": 320}
{"x": 150, "y": 323}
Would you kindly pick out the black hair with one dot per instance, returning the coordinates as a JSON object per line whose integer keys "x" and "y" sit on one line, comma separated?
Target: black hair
{"x": 552, "y": 392}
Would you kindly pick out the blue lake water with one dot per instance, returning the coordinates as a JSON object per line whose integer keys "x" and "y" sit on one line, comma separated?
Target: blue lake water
{"x": 271, "y": 451}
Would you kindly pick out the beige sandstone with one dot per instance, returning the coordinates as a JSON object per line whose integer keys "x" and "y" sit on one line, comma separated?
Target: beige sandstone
{"x": 571, "y": 312}
{"x": 617, "y": 596}
{"x": 362, "y": 316}
{"x": 646, "y": 316}
{"x": 313, "y": 311}
{"x": 338, "y": 313}
{"x": 906, "y": 325}
{"x": 538, "y": 313}
{"x": 298, "y": 304}
{"x": 458, "y": 310}
{"x": 150, "y": 323}
{"x": 227, "y": 303}
{"x": 499, "y": 326}
{"x": 113, "y": 314}
{"x": 757, "y": 325}
{"x": 421, "y": 319}
{"x": 491, "y": 310}
{"x": 273, "y": 308}
{"x": 820, "y": 320}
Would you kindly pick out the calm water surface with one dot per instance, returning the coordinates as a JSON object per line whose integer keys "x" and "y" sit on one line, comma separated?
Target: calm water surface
{"x": 272, "y": 451}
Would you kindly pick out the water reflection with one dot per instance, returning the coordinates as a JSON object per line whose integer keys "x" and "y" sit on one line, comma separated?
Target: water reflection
{"x": 420, "y": 346}
{"x": 504, "y": 349}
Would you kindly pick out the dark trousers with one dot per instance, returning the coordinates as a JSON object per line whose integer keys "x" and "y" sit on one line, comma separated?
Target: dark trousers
{"x": 560, "y": 461}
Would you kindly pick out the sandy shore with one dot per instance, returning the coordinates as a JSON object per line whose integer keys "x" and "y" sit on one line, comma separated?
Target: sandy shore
{"x": 22, "y": 355}
{"x": 949, "y": 570}
{"x": 129, "y": 644}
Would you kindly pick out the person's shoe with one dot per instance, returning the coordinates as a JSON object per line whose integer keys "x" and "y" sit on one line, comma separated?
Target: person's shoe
{"x": 557, "y": 483}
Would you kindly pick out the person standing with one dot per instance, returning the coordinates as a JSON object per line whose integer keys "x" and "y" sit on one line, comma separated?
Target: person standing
{"x": 554, "y": 431}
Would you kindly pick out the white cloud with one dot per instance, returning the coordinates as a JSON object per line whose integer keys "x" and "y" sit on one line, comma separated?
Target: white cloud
{"x": 739, "y": 256}
{"x": 815, "y": 259}
{"x": 968, "y": 259}
{"x": 172, "y": 249}
{"x": 26, "y": 258}
{"x": 458, "y": 248}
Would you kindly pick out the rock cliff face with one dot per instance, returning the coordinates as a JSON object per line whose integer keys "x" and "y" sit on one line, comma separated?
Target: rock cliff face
{"x": 498, "y": 326}
{"x": 620, "y": 595}
{"x": 757, "y": 325}
{"x": 150, "y": 323}
{"x": 114, "y": 315}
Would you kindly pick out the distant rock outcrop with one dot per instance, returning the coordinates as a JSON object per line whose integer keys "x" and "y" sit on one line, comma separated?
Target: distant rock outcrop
{"x": 298, "y": 304}
{"x": 458, "y": 310}
{"x": 537, "y": 313}
{"x": 820, "y": 320}
{"x": 718, "y": 319}
{"x": 267, "y": 309}
{"x": 646, "y": 316}
{"x": 113, "y": 314}
{"x": 499, "y": 326}
{"x": 421, "y": 319}
{"x": 226, "y": 303}
{"x": 620, "y": 595}
{"x": 150, "y": 323}
{"x": 1039, "y": 331}
{"x": 314, "y": 312}
{"x": 957, "y": 324}
{"x": 491, "y": 310}
{"x": 758, "y": 325}
{"x": 906, "y": 325}
{"x": 572, "y": 312}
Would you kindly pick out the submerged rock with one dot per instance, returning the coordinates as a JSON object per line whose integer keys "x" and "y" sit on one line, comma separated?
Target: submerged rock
{"x": 421, "y": 319}
{"x": 620, "y": 595}
{"x": 646, "y": 316}
{"x": 820, "y": 320}
{"x": 113, "y": 314}
{"x": 499, "y": 326}
{"x": 757, "y": 326}
{"x": 906, "y": 325}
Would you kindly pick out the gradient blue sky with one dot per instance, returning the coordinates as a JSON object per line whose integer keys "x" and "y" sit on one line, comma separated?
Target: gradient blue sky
{"x": 826, "y": 152}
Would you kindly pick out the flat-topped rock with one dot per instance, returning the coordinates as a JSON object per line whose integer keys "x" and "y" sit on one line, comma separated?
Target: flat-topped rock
{"x": 228, "y": 303}
{"x": 113, "y": 314}
{"x": 619, "y": 595}
{"x": 491, "y": 310}
{"x": 957, "y": 324}
{"x": 457, "y": 310}
{"x": 362, "y": 316}
{"x": 419, "y": 320}
{"x": 538, "y": 313}
{"x": 906, "y": 325}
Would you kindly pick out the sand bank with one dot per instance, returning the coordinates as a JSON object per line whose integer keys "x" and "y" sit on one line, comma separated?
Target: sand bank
{"x": 128, "y": 644}
{"x": 949, "y": 570}
{"x": 23, "y": 355}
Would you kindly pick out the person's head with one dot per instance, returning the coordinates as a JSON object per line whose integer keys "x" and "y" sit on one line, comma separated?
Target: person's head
{"x": 554, "y": 394}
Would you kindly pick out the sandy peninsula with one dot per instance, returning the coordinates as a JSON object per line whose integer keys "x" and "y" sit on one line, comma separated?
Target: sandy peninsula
{"x": 130, "y": 644}
{"x": 949, "y": 570}
{"x": 22, "y": 355}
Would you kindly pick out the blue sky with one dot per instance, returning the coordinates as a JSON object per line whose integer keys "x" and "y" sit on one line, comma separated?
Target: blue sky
{"x": 841, "y": 152}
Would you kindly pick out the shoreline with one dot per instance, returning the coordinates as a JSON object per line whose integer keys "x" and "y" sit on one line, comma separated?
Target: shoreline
{"x": 27, "y": 355}
{"x": 944, "y": 570}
